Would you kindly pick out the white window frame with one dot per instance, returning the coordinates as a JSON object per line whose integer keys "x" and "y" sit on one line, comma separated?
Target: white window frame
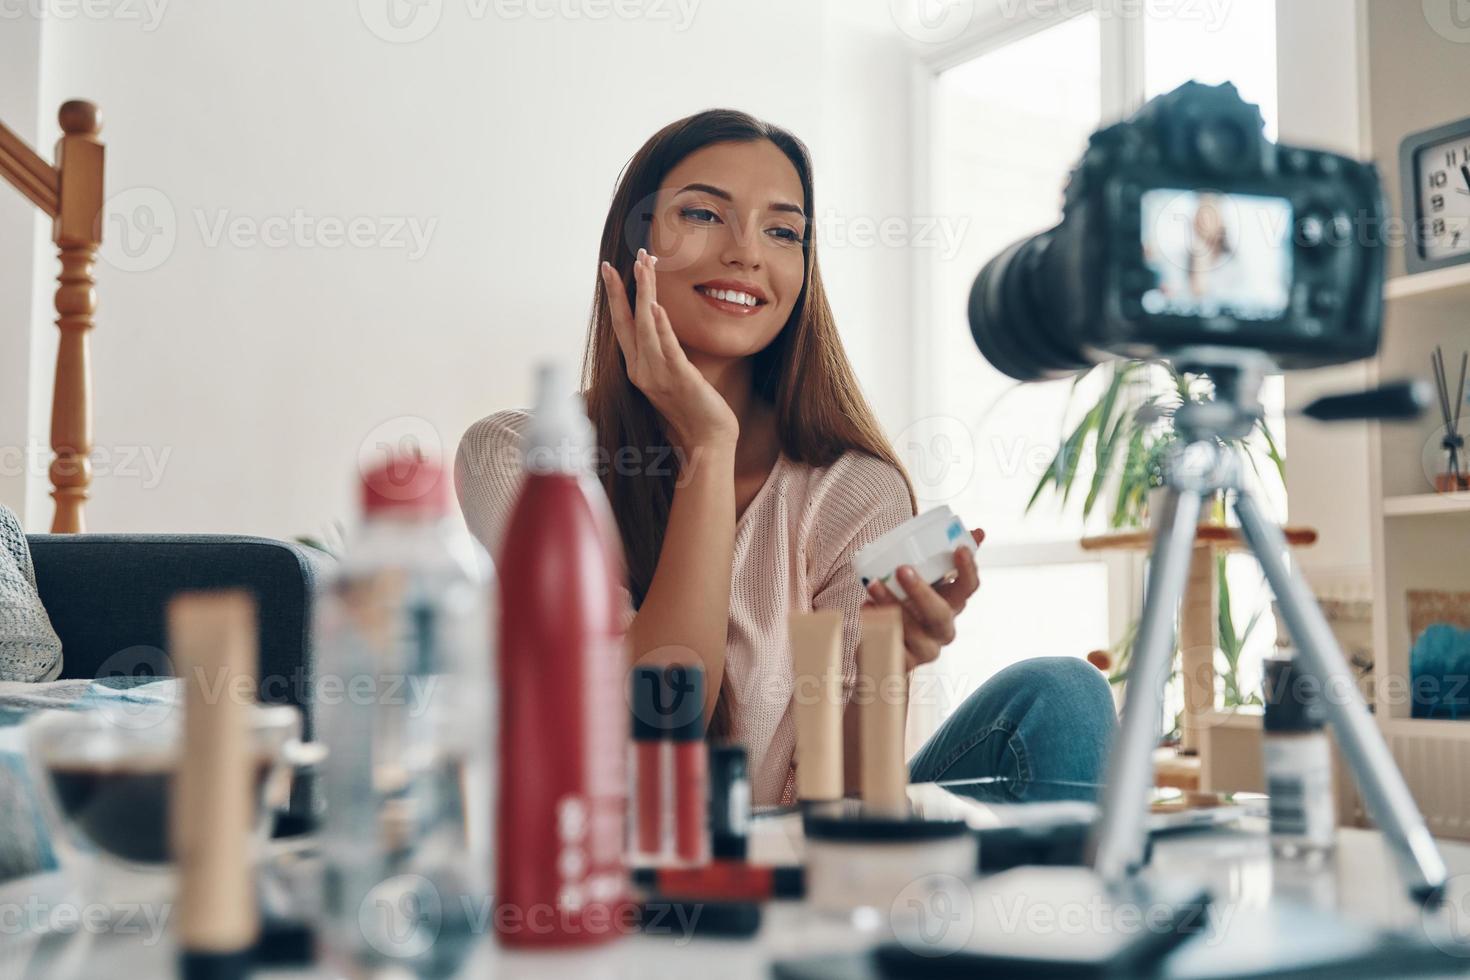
{"x": 1121, "y": 35}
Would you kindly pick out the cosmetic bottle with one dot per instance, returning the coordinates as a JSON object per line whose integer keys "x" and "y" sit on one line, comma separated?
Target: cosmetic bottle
{"x": 884, "y": 686}
{"x": 1298, "y": 763}
{"x": 403, "y": 682}
{"x": 562, "y": 796}
{"x": 670, "y": 767}
{"x": 212, "y": 640}
{"x": 816, "y": 701}
{"x": 729, "y": 802}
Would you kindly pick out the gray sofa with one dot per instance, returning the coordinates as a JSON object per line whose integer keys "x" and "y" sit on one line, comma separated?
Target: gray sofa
{"x": 106, "y": 595}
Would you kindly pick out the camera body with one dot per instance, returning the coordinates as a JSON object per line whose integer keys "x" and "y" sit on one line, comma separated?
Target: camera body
{"x": 1184, "y": 227}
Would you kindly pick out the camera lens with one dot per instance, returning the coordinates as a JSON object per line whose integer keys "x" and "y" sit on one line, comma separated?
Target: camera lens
{"x": 1009, "y": 320}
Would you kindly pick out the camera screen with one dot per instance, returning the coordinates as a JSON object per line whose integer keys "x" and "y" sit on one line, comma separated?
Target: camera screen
{"x": 1216, "y": 254}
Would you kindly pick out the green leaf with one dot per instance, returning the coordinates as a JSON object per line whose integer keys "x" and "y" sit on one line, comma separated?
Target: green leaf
{"x": 1133, "y": 484}
{"x": 1073, "y": 452}
{"x": 1273, "y": 450}
{"x": 1048, "y": 477}
{"x": 1226, "y": 623}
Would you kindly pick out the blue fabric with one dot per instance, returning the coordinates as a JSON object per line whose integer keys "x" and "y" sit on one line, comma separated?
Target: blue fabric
{"x": 1050, "y": 719}
{"x": 1439, "y": 665}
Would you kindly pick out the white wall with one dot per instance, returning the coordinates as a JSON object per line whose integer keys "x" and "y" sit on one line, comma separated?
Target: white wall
{"x": 235, "y": 381}
{"x": 20, "y": 53}
{"x": 1320, "y": 99}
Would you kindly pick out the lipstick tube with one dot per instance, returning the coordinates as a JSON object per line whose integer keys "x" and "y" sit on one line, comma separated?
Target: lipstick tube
{"x": 212, "y": 641}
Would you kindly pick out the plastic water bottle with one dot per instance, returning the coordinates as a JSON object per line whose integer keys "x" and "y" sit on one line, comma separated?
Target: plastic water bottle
{"x": 560, "y": 878}
{"x": 403, "y": 696}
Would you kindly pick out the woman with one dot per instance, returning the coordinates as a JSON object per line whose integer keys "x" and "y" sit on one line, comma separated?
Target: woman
{"x": 711, "y": 336}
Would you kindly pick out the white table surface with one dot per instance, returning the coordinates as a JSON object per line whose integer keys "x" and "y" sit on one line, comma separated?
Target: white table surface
{"x": 1358, "y": 880}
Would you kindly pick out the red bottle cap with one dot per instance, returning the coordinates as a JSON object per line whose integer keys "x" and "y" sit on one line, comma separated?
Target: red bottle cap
{"x": 406, "y": 483}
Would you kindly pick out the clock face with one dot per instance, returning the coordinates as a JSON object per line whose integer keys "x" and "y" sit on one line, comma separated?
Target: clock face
{"x": 1443, "y": 173}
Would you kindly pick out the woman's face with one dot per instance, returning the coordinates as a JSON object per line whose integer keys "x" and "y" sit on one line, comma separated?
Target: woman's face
{"x": 727, "y": 230}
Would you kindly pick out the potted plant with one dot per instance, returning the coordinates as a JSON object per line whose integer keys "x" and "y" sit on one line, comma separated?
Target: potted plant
{"x": 1126, "y": 433}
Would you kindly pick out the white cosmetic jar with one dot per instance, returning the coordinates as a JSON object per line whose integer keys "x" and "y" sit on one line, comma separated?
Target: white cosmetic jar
{"x": 869, "y": 862}
{"x": 927, "y": 542}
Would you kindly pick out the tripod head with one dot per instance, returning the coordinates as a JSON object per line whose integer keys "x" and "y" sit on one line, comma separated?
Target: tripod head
{"x": 1235, "y": 405}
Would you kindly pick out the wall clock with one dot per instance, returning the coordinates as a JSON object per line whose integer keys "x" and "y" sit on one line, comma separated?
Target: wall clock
{"x": 1434, "y": 169}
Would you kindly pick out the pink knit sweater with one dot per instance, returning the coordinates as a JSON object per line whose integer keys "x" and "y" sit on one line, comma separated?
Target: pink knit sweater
{"x": 793, "y": 551}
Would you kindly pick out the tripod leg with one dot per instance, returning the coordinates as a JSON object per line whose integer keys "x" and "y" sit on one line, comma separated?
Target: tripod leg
{"x": 1378, "y": 777}
{"x": 1117, "y": 847}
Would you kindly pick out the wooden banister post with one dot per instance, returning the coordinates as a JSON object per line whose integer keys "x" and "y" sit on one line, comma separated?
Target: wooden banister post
{"x": 77, "y": 232}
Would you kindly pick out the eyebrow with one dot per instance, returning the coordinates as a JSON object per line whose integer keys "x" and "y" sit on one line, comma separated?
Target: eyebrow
{"x": 726, "y": 196}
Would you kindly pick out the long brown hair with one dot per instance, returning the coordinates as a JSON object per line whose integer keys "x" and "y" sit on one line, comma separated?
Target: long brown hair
{"x": 803, "y": 373}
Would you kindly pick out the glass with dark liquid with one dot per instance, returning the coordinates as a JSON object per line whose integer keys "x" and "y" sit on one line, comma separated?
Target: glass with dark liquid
{"x": 110, "y": 780}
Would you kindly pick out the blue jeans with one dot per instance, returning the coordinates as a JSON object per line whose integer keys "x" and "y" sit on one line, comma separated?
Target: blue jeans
{"x": 1050, "y": 719}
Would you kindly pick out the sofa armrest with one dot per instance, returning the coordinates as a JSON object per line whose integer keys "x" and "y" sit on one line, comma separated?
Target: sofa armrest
{"x": 106, "y": 595}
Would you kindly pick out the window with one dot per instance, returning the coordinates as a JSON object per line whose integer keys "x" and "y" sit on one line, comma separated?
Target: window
{"x": 1007, "y": 124}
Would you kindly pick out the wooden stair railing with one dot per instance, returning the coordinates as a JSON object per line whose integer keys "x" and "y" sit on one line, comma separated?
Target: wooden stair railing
{"x": 71, "y": 194}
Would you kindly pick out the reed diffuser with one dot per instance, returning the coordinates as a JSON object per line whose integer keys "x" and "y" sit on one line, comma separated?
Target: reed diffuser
{"x": 1454, "y": 477}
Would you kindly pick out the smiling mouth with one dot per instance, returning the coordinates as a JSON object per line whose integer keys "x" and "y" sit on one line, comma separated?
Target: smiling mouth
{"x": 731, "y": 300}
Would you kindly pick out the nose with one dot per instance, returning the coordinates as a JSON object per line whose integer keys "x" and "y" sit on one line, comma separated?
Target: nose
{"x": 741, "y": 249}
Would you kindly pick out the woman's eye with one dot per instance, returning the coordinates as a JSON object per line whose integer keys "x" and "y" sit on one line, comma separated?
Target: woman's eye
{"x": 704, "y": 215}
{"x": 786, "y": 234}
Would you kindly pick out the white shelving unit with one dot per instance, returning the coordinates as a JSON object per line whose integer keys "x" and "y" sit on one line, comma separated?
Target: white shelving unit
{"x": 1440, "y": 288}
{"x": 1420, "y": 538}
{"x": 1422, "y": 504}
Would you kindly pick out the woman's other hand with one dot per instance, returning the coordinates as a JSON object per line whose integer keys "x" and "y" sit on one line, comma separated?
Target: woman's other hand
{"x": 929, "y": 611}
{"x": 697, "y": 414}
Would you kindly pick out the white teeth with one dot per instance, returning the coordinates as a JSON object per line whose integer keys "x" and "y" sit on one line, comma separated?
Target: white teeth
{"x": 732, "y": 296}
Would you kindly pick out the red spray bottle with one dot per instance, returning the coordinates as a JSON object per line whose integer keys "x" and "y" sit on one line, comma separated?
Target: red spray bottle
{"x": 562, "y": 799}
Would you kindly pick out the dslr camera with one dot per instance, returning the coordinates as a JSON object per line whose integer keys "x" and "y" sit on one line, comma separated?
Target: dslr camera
{"x": 1184, "y": 228}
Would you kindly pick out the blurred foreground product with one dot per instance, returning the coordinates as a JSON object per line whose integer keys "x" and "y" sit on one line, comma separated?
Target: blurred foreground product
{"x": 670, "y": 766}
{"x": 816, "y": 652}
{"x": 562, "y": 797}
{"x": 212, "y": 640}
{"x": 402, "y": 692}
{"x": 729, "y": 802}
{"x": 1298, "y": 762}
{"x": 883, "y": 686}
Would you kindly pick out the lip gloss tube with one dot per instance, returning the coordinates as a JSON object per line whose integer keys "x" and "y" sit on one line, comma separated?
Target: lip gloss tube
{"x": 690, "y": 763}
{"x": 817, "y": 701}
{"x": 648, "y": 766}
{"x": 212, "y": 641}
{"x": 880, "y": 666}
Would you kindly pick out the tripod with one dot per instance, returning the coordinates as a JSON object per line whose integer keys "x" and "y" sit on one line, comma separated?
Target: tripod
{"x": 1203, "y": 463}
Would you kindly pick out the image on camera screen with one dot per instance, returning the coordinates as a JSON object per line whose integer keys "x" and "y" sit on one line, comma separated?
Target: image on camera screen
{"x": 1216, "y": 254}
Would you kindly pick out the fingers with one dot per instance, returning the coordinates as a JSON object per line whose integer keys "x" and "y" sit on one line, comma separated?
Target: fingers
{"x": 921, "y": 645}
{"x": 927, "y": 606}
{"x": 966, "y": 581}
{"x": 644, "y": 327}
{"x": 919, "y": 649}
{"x": 978, "y": 533}
{"x": 618, "y": 309}
{"x": 647, "y": 294}
{"x": 667, "y": 341}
